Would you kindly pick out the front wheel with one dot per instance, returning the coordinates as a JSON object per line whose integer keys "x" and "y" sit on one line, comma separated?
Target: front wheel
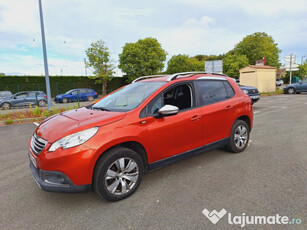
{"x": 6, "y": 106}
{"x": 118, "y": 174}
{"x": 239, "y": 137}
{"x": 65, "y": 100}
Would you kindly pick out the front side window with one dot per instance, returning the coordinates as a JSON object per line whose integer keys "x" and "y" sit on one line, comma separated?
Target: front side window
{"x": 21, "y": 95}
{"x": 129, "y": 97}
{"x": 179, "y": 96}
{"x": 211, "y": 91}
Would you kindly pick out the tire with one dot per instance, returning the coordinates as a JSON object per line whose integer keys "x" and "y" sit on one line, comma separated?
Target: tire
{"x": 6, "y": 105}
{"x": 112, "y": 172}
{"x": 239, "y": 137}
{"x": 41, "y": 103}
{"x": 65, "y": 100}
{"x": 291, "y": 90}
{"x": 90, "y": 98}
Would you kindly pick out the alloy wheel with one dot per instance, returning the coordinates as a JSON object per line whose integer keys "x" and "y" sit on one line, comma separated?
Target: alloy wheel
{"x": 121, "y": 176}
{"x": 241, "y": 136}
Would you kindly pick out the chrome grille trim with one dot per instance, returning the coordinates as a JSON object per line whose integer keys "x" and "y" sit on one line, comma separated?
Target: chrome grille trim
{"x": 37, "y": 144}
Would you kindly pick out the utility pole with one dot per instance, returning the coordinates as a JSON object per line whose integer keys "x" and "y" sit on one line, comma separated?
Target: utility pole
{"x": 85, "y": 67}
{"x": 45, "y": 55}
{"x": 290, "y": 68}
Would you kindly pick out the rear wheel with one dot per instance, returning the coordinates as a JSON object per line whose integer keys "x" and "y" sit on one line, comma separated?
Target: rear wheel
{"x": 6, "y": 106}
{"x": 65, "y": 100}
{"x": 118, "y": 174}
{"x": 90, "y": 98}
{"x": 239, "y": 137}
{"x": 41, "y": 103}
{"x": 291, "y": 90}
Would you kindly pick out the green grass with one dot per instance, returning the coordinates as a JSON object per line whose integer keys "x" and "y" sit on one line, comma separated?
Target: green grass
{"x": 278, "y": 91}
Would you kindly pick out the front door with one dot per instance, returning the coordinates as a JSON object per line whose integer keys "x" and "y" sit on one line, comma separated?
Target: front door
{"x": 172, "y": 135}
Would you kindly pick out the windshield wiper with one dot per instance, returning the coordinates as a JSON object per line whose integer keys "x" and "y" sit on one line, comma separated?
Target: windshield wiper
{"x": 100, "y": 108}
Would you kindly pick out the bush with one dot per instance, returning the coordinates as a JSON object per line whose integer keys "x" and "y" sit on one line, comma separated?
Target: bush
{"x": 9, "y": 121}
{"x": 36, "y": 111}
{"x": 46, "y": 113}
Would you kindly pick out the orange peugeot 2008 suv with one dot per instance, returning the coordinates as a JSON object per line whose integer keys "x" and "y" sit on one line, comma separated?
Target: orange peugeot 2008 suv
{"x": 150, "y": 123}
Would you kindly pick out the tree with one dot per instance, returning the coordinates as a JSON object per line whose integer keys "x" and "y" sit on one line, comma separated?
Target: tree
{"x": 183, "y": 63}
{"x": 201, "y": 57}
{"x": 302, "y": 70}
{"x": 256, "y": 46}
{"x": 142, "y": 58}
{"x": 99, "y": 59}
{"x": 232, "y": 63}
{"x": 2, "y": 74}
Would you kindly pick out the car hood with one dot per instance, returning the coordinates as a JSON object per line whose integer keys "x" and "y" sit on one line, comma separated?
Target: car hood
{"x": 66, "y": 123}
{"x": 60, "y": 95}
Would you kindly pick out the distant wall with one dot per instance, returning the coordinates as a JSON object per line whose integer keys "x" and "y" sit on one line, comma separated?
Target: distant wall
{"x": 58, "y": 84}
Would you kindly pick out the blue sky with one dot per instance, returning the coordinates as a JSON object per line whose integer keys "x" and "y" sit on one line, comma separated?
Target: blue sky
{"x": 181, "y": 26}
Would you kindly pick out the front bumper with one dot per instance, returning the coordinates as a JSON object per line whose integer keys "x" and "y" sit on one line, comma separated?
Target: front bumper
{"x": 254, "y": 97}
{"x": 53, "y": 181}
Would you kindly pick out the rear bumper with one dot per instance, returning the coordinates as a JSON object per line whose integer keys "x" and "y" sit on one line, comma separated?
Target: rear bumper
{"x": 53, "y": 181}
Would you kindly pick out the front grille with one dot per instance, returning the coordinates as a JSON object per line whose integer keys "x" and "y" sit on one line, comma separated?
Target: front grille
{"x": 37, "y": 144}
{"x": 253, "y": 91}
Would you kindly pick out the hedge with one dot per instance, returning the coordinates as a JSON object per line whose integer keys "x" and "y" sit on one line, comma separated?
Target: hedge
{"x": 58, "y": 84}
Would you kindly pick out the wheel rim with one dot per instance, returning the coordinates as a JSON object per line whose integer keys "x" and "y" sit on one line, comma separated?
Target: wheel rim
{"x": 121, "y": 176}
{"x": 41, "y": 103}
{"x": 6, "y": 106}
{"x": 291, "y": 90}
{"x": 90, "y": 98}
{"x": 241, "y": 136}
{"x": 65, "y": 100}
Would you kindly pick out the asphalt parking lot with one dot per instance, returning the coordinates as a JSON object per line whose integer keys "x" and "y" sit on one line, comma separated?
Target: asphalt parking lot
{"x": 268, "y": 178}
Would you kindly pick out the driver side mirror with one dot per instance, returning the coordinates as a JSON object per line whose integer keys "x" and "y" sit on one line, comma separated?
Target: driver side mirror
{"x": 168, "y": 110}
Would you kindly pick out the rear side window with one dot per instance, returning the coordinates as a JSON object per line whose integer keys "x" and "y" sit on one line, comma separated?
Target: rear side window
{"x": 229, "y": 90}
{"x": 211, "y": 91}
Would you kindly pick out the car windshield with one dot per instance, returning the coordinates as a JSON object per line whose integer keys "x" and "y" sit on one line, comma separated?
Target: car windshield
{"x": 129, "y": 97}
{"x": 68, "y": 92}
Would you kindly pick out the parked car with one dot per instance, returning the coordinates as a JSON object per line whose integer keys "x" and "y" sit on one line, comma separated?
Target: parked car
{"x": 150, "y": 123}
{"x": 251, "y": 91}
{"x": 279, "y": 82}
{"x": 297, "y": 87}
{"x": 75, "y": 95}
{"x": 5, "y": 94}
{"x": 24, "y": 98}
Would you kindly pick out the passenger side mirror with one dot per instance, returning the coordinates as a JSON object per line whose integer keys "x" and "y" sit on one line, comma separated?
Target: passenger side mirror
{"x": 168, "y": 110}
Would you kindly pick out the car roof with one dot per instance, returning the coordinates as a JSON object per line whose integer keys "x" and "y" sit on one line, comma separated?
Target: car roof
{"x": 185, "y": 75}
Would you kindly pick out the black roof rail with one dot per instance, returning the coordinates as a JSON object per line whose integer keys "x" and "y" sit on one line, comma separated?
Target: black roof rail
{"x": 174, "y": 76}
{"x": 145, "y": 77}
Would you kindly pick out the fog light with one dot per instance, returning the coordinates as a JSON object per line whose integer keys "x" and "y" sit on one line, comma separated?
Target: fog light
{"x": 61, "y": 179}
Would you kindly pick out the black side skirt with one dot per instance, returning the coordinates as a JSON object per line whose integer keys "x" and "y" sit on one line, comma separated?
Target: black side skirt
{"x": 193, "y": 152}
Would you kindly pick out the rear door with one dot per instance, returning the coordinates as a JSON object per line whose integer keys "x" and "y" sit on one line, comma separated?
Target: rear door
{"x": 32, "y": 98}
{"x": 217, "y": 108}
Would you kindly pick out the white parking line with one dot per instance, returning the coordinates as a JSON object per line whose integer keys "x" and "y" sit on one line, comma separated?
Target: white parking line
{"x": 35, "y": 123}
{"x": 283, "y": 107}
{"x": 256, "y": 112}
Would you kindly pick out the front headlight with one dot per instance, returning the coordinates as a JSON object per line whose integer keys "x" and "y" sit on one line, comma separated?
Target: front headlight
{"x": 245, "y": 91}
{"x": 74, "y": 139}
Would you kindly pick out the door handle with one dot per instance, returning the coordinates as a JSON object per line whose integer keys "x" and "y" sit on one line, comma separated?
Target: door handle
{"x": 196, "y": 118}
{"x": 228, "y": 107}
